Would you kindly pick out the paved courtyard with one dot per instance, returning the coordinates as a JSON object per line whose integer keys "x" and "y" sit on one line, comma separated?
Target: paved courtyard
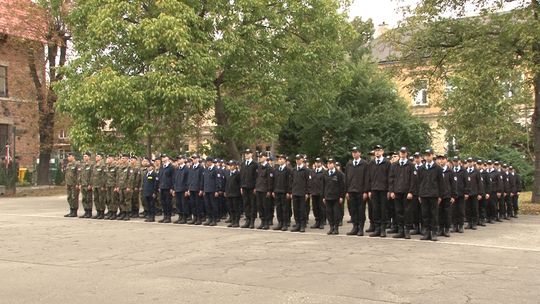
{"x": 46, "y": 258}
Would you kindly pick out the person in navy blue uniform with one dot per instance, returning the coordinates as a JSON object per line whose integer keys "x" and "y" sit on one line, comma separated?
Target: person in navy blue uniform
{"x": 401, "y": 188}
{"x": 474, "y": 187}
{"x": 299, "y": 191}
{"x": 210, "y": 190}
{"x": 180, "y": 180}
{"x": 316, "y": 191}
{"x": 357, "y": 186}
{"x": 248, "y": 176}
{"x": 149, "y": 191}
{"x": 448, "y": 197}
{"x": 196, "y": 202}
{"x": 232, "y": 193}
{"x": 518, "y": 187}
{"x": 223, "y": 209}
{"x": 483, "y": 202}
{"x": 281, "y": 194}
{"x": 333, "y": 185}
{"x": 165, "y": 185}
{"x": 431, "y": 189}
{"x": 378, "y": 191}
{"x": 264, "y": 185}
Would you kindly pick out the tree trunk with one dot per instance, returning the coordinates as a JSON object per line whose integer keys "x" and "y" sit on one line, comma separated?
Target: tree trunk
{"x": 223, "y": 121}
{"x": 536, "y": 136}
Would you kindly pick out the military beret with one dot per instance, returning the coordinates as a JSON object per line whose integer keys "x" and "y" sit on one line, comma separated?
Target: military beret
{"x": 125, "y": 155}
{"x": 331, "y": 161}
{"x": 87, "y": 153}
{"x": 377, "y": 147}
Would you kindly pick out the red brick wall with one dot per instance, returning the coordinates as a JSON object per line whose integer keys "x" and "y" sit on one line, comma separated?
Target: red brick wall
{"x": 19, "y": 109}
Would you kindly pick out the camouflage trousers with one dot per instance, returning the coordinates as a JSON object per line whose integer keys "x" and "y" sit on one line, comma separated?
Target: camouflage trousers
{"x": 125, "y": 200}
{"x": 100, "y": 196}
{"x": 73, "y": 196}
{"x": 111, "y": 199}
{"x": 86, "y": 198}
{"x": 135, "y": 201}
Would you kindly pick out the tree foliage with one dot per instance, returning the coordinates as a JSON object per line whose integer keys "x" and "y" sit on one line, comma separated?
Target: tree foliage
{"x": 487, "y": 56}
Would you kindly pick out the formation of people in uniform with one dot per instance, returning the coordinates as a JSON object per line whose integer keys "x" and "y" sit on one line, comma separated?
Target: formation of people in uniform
{"x": 420, "y": 194}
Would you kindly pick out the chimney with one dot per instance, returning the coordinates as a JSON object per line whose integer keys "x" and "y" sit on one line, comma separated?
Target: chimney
{"x": 381, "y": 29}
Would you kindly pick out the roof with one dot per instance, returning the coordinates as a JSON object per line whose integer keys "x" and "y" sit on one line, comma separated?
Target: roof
{"x": 22, "y": 18}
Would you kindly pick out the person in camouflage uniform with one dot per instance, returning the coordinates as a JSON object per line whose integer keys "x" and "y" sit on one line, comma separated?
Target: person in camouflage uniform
{"x": 72, "y": 185}
{"x": 85, "y": 182}
{"x": 99, "y": 182}
{"x": 134, "y": 162}
{"x": 125, "y": 181}
{"x": 111, "y": 193}
{"x": 144, "y": 169}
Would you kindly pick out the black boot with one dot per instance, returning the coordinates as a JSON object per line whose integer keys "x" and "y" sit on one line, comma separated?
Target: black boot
{"x": 261, "y": 225}
{"x": 336, "y": 229}
{"x": 113, "y": 216}
{"x": 85, "y": 214}
{"x": 179, "y": 220}
{"x": 426, "y": 235}
{"x": 331, "y": 231}
{"x": 266, "y": 225}
{"x": 199, "y": 220}
{"x": 150, "y": 219}
{"x": 434, "y": 235}
{"x": 469, "y": 225}
{"x": 376, "y": 232}
{"x": 446, "y": 232}
{"x": 69, "y": 213}
{"x": 481, "y": 223}
{"x": 252, "y": 224}
{"x": 296, "y": 227}
{"x": 455, "y": 228}
{"x": 407, "y": 233}
{"x": 95, "y": 217}
{"x": 416, "y": 230}
{"x": 360, "y": 229}
{"x": 121, "y": 216}
{"x": 393, "y": 229}
{"x": 303, "y": 227}
{"x": 285, "y": 226}
{"x": 236, "y": 222}
{"x": 316, "y": 225}
{"x": 400, "y": 234}
{"x": 460, "y": 229}
{"x": 191, "y": 220}
{"x": 278, "y": 227}
{"x": 213, "y": 222}
{"x": 354, "y": 230}
{"x": 383, "y": 230}
{"x": 127, "y": 216}
{"x": 371, "y": 228}
{"x": 207, "y": 223}
{"x": 246, "y": 223}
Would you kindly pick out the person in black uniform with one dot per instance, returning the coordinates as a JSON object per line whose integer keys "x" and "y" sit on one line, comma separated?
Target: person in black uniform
{"x": 165, "y": 185}
{"x": 431, "y": 189}
{"x": 281, "y": 194}
{"x": 448, "y": 197}
{"x": 210, "y": 190}
{"x": 473, "y": 193}
{"x": 417, "y": 210}
{"x": 483, "y": 202}
{"x": 180, "y": 183}
{"x": 512, "y": 192}
{"x": 333, "y": 184}
{"x": 495, "y": 190}
{"x": 248, "y": 176}
{"x": 379, "y": 170}
{"x": 299, "y": 191}
{"x": 458, "y": 207}
{"x": 263, "y": 191}
{"x": 357, "y": 185}
{"x": 232, "y": 193}
{"x": 507, "y": 180}
{"x": 194, "y": 186}
{"x": 149, "y": 191}
{"x": 316, "y": 190}
{"x": 501, "y": 210}
{"x": 401, "y": 187}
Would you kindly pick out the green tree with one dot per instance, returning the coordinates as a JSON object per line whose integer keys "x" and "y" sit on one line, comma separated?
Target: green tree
{"x": 143, "y": 65}
{"x": 367, "y": 111}
{"x": 490, "y": 63}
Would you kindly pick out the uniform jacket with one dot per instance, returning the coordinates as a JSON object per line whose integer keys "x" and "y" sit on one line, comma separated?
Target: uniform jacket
{"x": 232, "y": 184}
{"x": 401, "y": 178}
{"x": 430, "y": 181}
{"x": 460, "y": 180}
{"x": 265, "y": 178}
{"x": 357, "y": 177}
{"x": 300, "y": 181}
{"x": 166, "y": 175}
{"x": 378, "y": 175}
{"x": 149, "y": 183}
{"x": 211, "y": 180}
{"x": 333, "y": 185}
{"x": 281, "y": 179}
{"x": 316, "y": 186}
{"x": 195, "y": 178}
{"x": 248, "y": 174}
{"x": 180, "y": 179}
{"x": 474, "y": 185}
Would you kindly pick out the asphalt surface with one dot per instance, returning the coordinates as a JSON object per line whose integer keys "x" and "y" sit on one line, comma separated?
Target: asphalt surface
{"x": 46, "y": 258}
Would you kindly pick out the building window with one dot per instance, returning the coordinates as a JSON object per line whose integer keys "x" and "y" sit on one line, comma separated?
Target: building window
{"x": 4, "y": 137}
{"x": 63, "y": 134}
{"x": 421, "y": 94}
{"x": 62, "y": 154}
{"x": 3, "y": 81}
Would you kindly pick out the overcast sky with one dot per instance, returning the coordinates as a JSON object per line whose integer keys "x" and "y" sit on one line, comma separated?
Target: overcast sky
{"x": 378, "y": 10}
